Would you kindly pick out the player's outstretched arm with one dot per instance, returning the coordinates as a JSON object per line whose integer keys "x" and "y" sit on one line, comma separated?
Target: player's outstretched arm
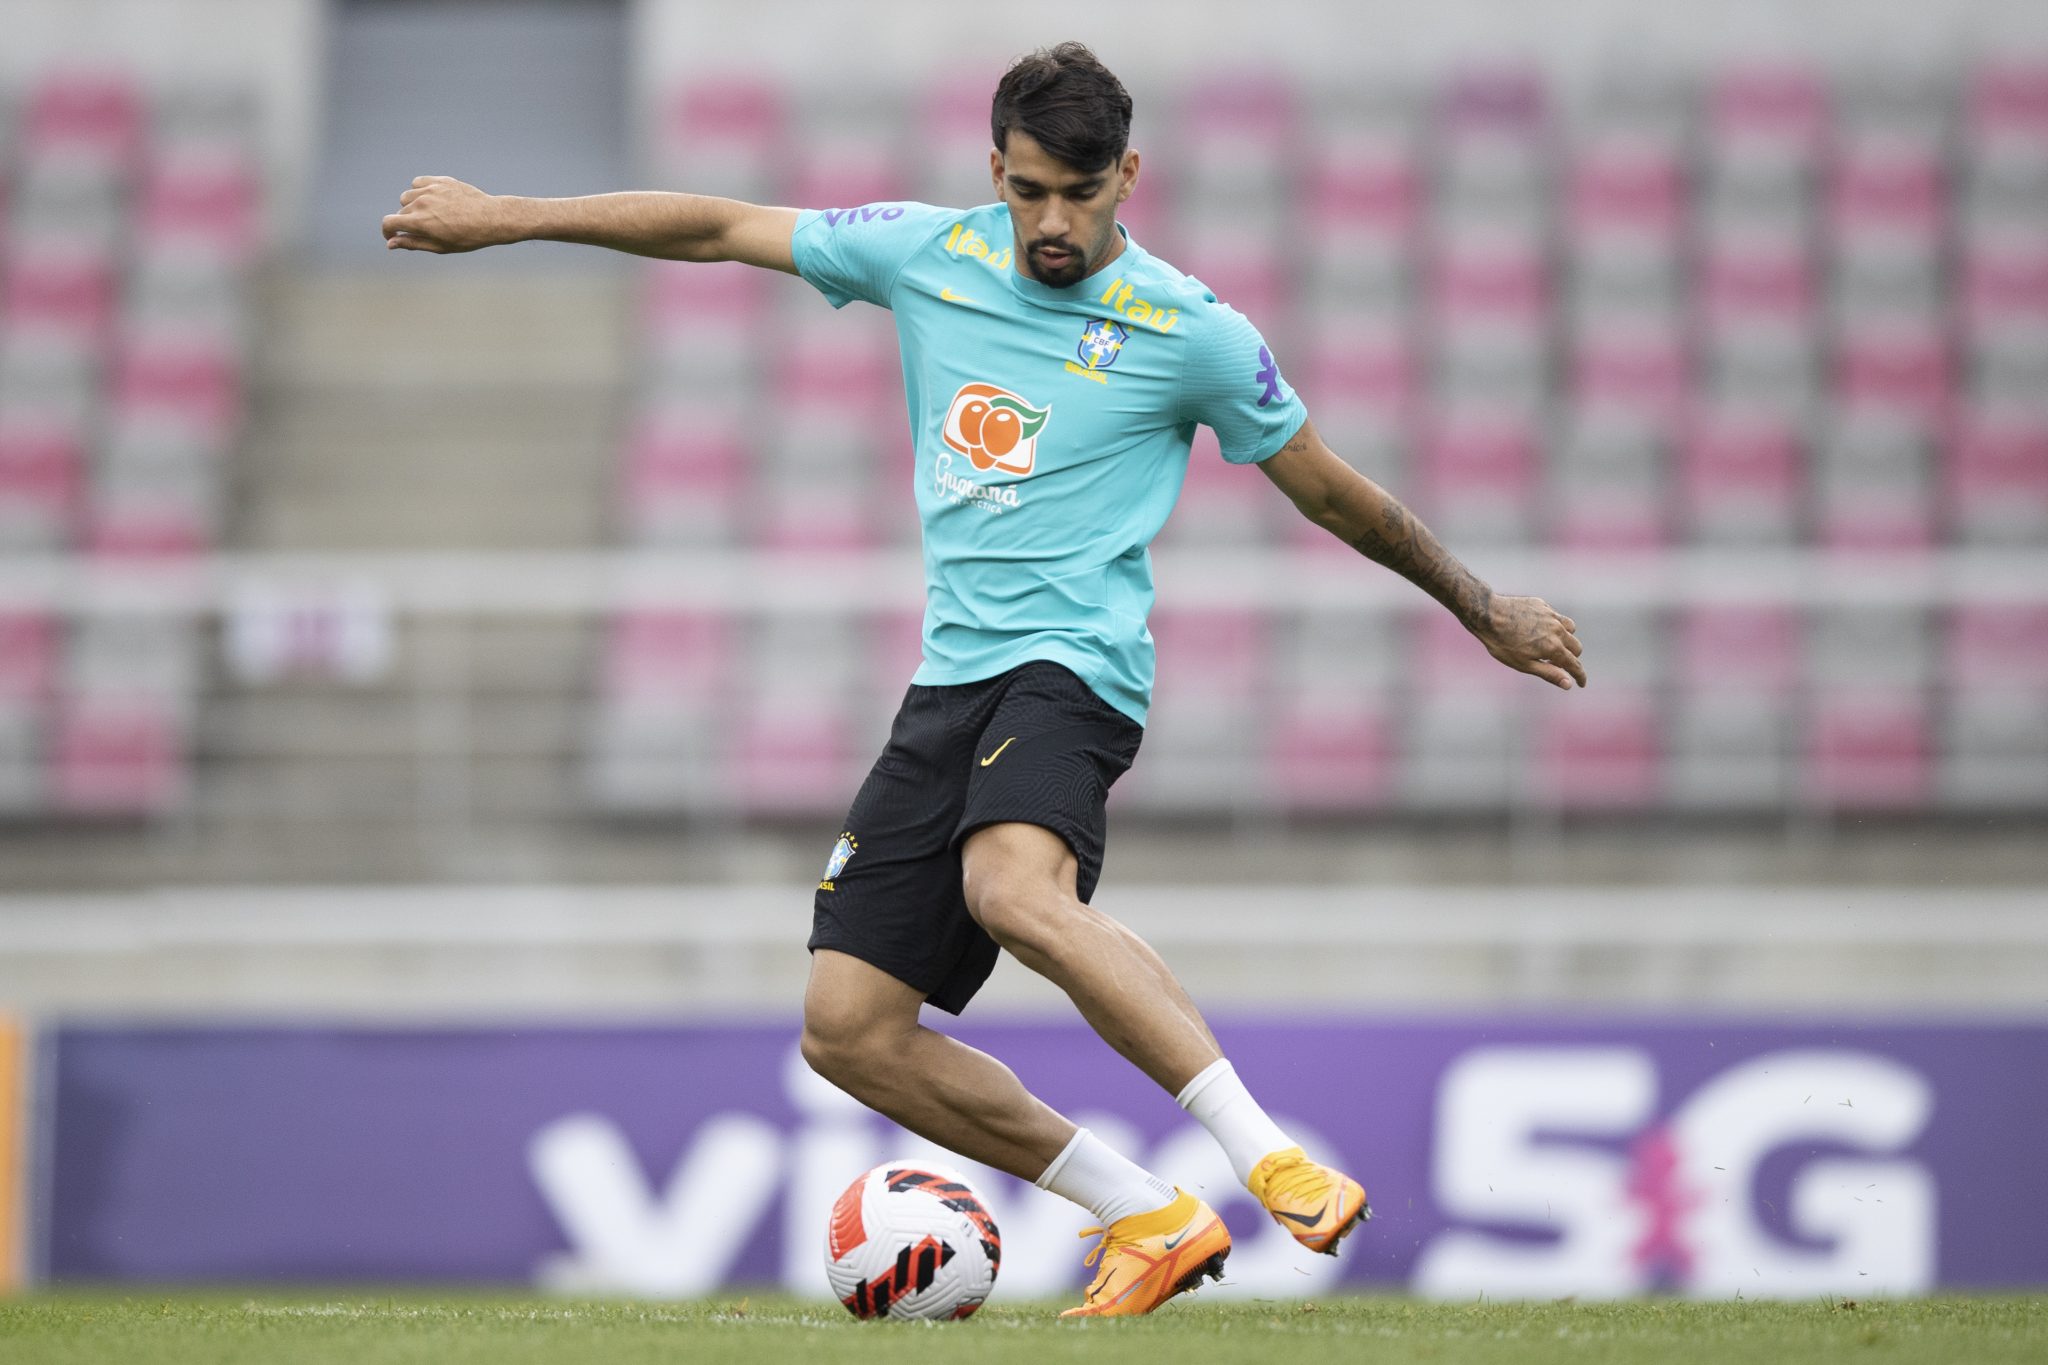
{"x": 1524, "y": 633}
{"x": 442, "y": 215}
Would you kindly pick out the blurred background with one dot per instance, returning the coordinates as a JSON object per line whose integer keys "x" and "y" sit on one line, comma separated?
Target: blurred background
{"x": 402, "y": 655}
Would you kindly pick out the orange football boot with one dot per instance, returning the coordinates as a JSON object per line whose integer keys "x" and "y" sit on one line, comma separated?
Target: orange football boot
{"x": 1316, "y": 1204}
{"x": 1147, "y": 1258}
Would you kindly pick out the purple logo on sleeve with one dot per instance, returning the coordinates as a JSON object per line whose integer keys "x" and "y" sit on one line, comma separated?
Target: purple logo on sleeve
{"x": 867, "y": 213}
{"x": 1268, "y": 375}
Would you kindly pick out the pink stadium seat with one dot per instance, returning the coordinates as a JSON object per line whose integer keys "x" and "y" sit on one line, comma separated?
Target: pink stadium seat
{"x": 122, "y": 528}
{"x": 669, "y": 654}
{"x": 1248, "y": 272}
{"x": 724, "y": 135}
{"x": 685, "y": 479}
{"x": 725, "y": 297}
{"x": 116, "y": 757}
{"x": 55, "y": 290}
{"x": 1993, "y": 648}
{"x": 896, "y": 649}
{"x": 1362, "y": 184}
{"x": 829, "y": 362}
{"x": 788, "y": 759}
{"x": 28, "y": 655}
{"x": 1493, "y": 102}
{"x": 1767, "y": 279}
{"x": 1896, "y": 190}
{"x": 1870, "y": 751}
{"x": 207, "y": 205}
{"x": 1638, "y": 369}
{"x": 1353, "y": 362}
{"x": 195, "y": 387}
{"x": 846, "y": 173}
{"x": 1212, "y": 655}
{"x": 1502, "y": 281}
{"x": 2005, "y": 278}
{"x": 1478, "y": 460}
{"x": 1330, "y": 754}
{"x": 1618, "y": 186}
{"x": 1997, "y": 474}
{"x": 1602, "y": 755}
{"x": 2008, "y": 99}
{"x": 87, "y": 117}
{"x": 1902, "y": 371}
{"x": 1740, "y": 475}
{"x": 1739, "y": 649}
{"x": 1769, "y": 110}
{"x": 42, "y": 469}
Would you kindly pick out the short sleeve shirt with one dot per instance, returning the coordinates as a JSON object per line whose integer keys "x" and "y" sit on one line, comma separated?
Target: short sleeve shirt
{"x": 1051, "y": 430}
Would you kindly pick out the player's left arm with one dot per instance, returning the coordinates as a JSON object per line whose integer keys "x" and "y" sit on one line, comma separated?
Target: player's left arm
{"x": 1525, "y": 633}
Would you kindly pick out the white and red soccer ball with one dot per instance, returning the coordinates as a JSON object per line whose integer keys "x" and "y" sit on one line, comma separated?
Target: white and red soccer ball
{"x": 911, "y": 1239}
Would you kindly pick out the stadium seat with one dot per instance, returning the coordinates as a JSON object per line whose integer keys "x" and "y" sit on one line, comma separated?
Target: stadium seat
{"x": 1996, "y": 476}
{"x": 1623, "y": 186}
{"x": 1739, "y": 478}
{"x": 1997, "y": 649}
{"x": 1478, "y": 476}
{"x": 1763, "y": 279}
{"x": 1329, "y": 752}
{"x": 1610, "y": 484}
{"x": 1869, "y": 749}
{"x": 685, "y": 479}
{"x": 724, "y": 135}
{"x": 1898, "y": 371}
{"x": 28, "y": 655}
{"x": 22, "y": 764}
{"x": 1766, "y": 114}
{"x": 1628, "y": 367}
{"x": 84, "y": 117}
{"x": 2004, "y": 279}
{"x": 1994, "y": 751}
{"x": 683, "y": 657}
{"x": 1887, "y": 190}
{"x": 1600, "y": 752}
{"x": 57, "y": 294}
{"x": 42, "y": 471}
{"x": 1873, "y": 484}
{"x": 116, "y": 757}
{"x": 649, "y": 755}
{"x": 201, "y": 205}
{"x": 1236, "y": 130}
{"x": 1737, "y": 674}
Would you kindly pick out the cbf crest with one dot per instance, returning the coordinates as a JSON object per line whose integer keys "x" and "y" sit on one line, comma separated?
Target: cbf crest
{"x": 836, "y": 864}
{"x": 1102, "y": 341}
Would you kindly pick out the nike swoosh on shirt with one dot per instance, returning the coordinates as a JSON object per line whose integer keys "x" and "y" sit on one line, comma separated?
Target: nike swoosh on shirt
{"x": 950, "y": 297}
{"x": 999, "y": 751}
{"x": 1307, "y": 1221}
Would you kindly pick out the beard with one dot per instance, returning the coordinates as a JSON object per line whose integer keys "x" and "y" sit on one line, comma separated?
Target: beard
{"x": 1072, "y": 269}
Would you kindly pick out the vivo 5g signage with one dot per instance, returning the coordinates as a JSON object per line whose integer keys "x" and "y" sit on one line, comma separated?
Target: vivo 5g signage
{"x": 1569, "y": 1142}
{"x": 1505, "y": 1158}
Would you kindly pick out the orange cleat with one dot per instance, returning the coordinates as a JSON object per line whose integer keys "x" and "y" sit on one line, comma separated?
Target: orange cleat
{"x": 1147, "y": 1258}
{"x": 1318, "y": 1205}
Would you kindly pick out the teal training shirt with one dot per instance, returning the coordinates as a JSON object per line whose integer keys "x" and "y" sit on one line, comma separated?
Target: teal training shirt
{"x": 1052, "y": 429}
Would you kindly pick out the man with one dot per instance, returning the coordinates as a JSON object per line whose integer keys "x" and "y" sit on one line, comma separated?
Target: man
{"x": 1055, "y": 373}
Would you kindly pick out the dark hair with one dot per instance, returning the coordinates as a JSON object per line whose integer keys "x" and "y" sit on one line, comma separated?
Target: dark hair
{"x": 1069, "y": 102}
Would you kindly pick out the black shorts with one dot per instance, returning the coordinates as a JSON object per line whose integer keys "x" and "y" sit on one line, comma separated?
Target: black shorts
{"x": 1033, "y": 745}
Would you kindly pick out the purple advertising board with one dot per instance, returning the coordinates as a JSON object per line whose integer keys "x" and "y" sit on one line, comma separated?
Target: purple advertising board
{"x": 1515, "y": 1158}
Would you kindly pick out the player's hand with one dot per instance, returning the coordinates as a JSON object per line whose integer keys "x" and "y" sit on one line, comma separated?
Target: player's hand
{"x": 1529, "y": 634}
{"x": 443, "y": 215}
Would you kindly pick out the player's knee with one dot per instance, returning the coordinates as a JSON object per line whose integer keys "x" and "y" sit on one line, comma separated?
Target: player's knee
{"x": 840, "y": 1042}
{"x": 1020, "y": 914}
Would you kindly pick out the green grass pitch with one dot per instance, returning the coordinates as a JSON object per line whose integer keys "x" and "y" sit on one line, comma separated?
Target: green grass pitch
{"x": 358, "y": 1329}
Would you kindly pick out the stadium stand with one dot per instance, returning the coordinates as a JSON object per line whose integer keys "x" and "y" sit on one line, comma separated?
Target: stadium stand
{"x": 1660, "y": 314}
{"x": 131, "y": 223}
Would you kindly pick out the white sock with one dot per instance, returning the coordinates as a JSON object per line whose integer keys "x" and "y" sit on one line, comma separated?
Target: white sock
{"x": 1220, "y": 1103}
{"x": 1088, "y": 1172}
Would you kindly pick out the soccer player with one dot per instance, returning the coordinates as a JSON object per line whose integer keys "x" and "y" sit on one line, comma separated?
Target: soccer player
{"x": 1055, "y": 372}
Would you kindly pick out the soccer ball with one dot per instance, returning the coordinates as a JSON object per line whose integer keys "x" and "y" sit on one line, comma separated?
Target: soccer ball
{"x": 911, "y": 1239}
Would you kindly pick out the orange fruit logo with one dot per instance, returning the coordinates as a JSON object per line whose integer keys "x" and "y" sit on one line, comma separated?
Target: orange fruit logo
{"x": 994, "y": 428}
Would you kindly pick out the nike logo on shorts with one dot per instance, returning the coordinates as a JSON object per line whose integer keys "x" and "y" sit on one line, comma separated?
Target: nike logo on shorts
{"x": 999, "y": 751}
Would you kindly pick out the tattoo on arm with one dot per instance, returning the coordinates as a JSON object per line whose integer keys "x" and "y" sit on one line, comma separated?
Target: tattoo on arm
{"x": 1406, "y": 546}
